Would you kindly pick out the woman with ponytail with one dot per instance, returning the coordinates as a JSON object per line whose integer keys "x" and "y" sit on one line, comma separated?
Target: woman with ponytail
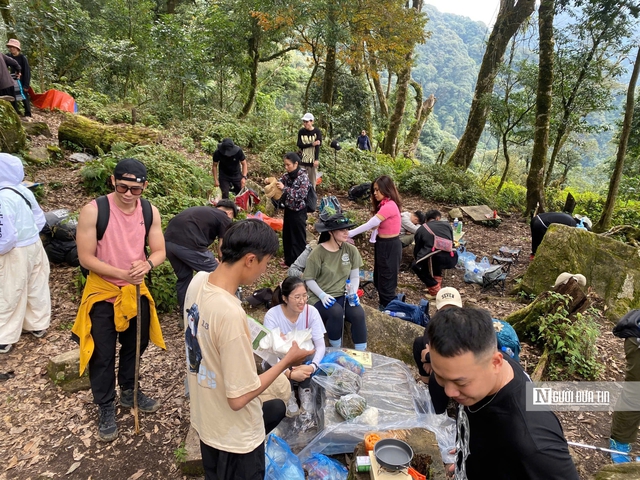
{"x": 291, "y": 312}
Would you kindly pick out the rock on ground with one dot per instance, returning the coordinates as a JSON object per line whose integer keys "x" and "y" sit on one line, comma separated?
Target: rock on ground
{"x": 12, "y": 136}
{"x": 620, "y": 471}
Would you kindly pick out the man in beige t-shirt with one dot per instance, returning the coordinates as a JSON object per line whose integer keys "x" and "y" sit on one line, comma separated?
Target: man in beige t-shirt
{"x": 225, "y": 409}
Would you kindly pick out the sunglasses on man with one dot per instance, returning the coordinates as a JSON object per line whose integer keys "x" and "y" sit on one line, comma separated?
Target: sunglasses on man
{"x": 135, "y": 190}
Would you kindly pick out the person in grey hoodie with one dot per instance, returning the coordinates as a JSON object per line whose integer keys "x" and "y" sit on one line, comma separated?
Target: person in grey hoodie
{"x": 24, "y": 267}
{"x": 6, "y": 82}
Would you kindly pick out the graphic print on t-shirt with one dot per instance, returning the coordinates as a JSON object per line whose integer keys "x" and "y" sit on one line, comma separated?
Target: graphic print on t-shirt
{"x": 194, "y": 354}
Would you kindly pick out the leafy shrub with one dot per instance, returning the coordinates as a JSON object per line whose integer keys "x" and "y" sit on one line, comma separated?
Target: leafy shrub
{"x": 443, "y": 184}
{"x": 571, "y": 342}
{"x": 511, "y": 198}
{"x": 163, "y": 287}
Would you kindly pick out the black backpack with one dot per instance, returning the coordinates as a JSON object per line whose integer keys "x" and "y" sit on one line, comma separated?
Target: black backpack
{"x": 104, "y": 212}
{"x": 360, "y": 192}
{"x": 312, "y": 200}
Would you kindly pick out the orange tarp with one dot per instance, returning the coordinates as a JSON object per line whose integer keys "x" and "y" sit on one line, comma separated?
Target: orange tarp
{"x": 53, "y": 99}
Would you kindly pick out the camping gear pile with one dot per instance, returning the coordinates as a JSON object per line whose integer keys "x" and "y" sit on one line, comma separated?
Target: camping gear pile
{"x": 59, "y": 237}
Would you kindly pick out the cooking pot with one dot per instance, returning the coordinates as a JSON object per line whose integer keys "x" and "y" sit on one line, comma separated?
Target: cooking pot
{"x": 393, "y": 454}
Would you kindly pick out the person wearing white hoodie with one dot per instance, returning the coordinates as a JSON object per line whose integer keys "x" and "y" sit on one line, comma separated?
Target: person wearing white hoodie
{"x": 24, "y": 267}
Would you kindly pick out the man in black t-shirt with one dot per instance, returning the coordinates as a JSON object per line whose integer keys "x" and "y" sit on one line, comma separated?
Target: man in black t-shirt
{"x": 497, "y": 436}
{"x": 233, "y": 167}
{"x": 309, "y": 141}
{"x": 187, "y": 239}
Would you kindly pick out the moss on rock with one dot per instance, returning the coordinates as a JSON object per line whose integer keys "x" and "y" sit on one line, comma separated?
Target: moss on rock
{"x": 97, "y": 137}
{"x": 12, "y": 136}
{"x": 612, "y": 268}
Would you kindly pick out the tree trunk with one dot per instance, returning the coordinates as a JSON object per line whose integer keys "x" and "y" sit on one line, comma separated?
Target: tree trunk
{"x": 607, "y": 212}
{"x": 330, "y": 69}
{"x": 382, "y": 98}
{"x": 510, "y": 18}
{"x": 254, "y": 55}
{"x": 9, "y": 22}
{"x": 402, "y": 87}
{"x": 423, "y": 110}
{"x": 526, "y": 319}
{"x": 96, "y": 137}
{"x": 308, "y": 87}
{"x": 535, "y": 178}
{"x": 507, "y": 161}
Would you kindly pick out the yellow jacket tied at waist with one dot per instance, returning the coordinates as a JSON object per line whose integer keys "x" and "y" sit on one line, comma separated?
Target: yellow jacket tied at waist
{"x": 125, "y": 308}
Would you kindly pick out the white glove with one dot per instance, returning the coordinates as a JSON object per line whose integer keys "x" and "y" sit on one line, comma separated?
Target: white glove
{"x": 327, "y": 300}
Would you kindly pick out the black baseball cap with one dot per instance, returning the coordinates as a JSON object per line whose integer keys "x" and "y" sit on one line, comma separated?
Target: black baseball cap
{"x": 130, "y": 166}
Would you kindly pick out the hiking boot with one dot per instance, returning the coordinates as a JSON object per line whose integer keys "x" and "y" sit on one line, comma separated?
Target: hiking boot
{"x": 107, "y": 428}
{"x": 38, "y": 333}
{"x": 306, "y": 399}
{"x": 292, "y": 406}
{"x": 145, "y": 404}
{"x": 5, "y": 348}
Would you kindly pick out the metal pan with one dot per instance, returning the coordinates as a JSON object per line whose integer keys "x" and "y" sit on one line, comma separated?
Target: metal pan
{"x": 393, "y": 454}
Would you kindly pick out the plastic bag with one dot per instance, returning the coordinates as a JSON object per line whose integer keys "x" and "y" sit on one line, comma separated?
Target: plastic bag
{"x": 321, "y": 467}
{"x": 337, "y": 380}
{"x": 274, "y": 343}
{"x": 351, "y": 406}
{"x": 344, "y": 360}
{"x": 463, "y": 257}
{"x": 484, "y": 264}
{"x": 280, "y": 462}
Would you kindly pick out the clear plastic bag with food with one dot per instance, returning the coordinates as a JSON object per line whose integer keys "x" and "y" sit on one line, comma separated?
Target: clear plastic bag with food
{"x": 321, "y": 467}
{"x": 337, "y": 380}
{"x": 351, "y": 406}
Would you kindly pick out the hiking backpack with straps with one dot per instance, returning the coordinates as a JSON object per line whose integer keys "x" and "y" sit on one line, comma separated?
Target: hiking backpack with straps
{"x": 104, "y": 212}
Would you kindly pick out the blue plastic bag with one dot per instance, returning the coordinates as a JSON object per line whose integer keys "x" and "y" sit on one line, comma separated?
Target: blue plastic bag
{"x": 321, "y": 467}
{"x": 280, "y": 462}
{"x": 344, "y": 360}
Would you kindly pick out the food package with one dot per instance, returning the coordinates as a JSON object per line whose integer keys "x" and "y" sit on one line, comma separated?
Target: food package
{"x": 351, "y": 406}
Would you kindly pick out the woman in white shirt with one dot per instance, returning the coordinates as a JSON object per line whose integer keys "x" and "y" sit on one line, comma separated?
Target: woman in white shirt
{"x": 410, "y": 222}
{"x": 291, "y": 312}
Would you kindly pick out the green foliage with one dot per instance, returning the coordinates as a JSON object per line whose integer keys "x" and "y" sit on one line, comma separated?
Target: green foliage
{"x": 96, "y": 175}
{"x": 571, "y": 342}
{"x": 180, "y": 453}
{"x": 511, "y": 198}
{"x": 442, "y": 183}
{"x": 163, "y": 287}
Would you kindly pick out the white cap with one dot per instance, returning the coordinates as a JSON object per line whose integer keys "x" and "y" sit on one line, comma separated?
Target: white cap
{"x": 448, "y": 296}
{"x": 308, "y": 116}
{"x": 564, "y": 277}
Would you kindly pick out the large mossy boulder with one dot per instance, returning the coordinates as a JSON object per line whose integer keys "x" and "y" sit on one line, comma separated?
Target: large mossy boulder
{"x": 612, "y": 268}
{"x": 95, "y": 136}
{"x": 620, "y": 471}
{"x": 12, "y": 136}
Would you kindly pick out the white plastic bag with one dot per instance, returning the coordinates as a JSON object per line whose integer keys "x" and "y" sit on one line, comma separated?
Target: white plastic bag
{"x": 274, "y": 343}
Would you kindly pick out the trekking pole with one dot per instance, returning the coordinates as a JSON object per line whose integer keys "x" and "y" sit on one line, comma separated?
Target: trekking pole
{"x": 600, "y": 449}
{"x": 137, "y": 371}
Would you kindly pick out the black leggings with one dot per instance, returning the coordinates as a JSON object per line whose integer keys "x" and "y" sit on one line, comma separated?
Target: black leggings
{"x": 388, "y": 254}
{"x": 332, "y": 318}
{"x": 439, "y": 262}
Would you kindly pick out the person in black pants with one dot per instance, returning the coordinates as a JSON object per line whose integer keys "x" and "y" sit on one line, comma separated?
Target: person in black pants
{"x": 233, "y": 167}
{"x": 25, "y": 78}
{"x": 187, "y": 239}
{"x": 295, "y": 186}
{"x": 540, "y": 224}
{"x": 428, "y": 266}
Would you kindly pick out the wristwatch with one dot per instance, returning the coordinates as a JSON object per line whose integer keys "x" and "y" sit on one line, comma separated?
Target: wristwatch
{"x": 244, "y": 176}
{"x": 150, "y": 264}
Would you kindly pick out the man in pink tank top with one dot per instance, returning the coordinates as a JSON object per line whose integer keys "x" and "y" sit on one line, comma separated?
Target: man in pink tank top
{"x": 108, "y": 311}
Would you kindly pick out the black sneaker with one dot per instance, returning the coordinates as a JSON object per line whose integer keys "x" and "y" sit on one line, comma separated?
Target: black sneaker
{"x": 145, "y": 404}
{"x": 107, "y": 428}
{"x": 5, "y": 348}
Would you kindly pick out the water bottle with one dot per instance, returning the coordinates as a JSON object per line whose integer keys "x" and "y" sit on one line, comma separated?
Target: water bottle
{"x": 350, "y": 295}
{"x": 395, "y": 314}
{"x": 460, "y": 226}
{"x": 581, "y": 225}
{"x": 455, "y": 224}
{"x": 508, "y": 351}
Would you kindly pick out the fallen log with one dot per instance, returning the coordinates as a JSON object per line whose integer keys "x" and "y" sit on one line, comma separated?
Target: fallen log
{"x": 97, "y": 137}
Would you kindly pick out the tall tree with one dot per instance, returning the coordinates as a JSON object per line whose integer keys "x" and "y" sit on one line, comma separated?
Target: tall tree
{"x": 607, "y": 212}
{"x": 535, "y": 177}
{"x": 511, "y": 16}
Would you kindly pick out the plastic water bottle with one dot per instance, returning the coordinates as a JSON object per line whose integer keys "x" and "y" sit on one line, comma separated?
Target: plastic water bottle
{"x": 508, "y": 351}
{"x": 395, "y": 314}
{"x": 455, "y": 224}
{"x": 351, "y": 298}
{"x": 460, "y": 226}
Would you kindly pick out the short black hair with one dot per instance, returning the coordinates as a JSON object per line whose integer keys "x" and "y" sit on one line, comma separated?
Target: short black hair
{"x": 432, "y": 215}
{"x": 228, "y": 205}
{"x": 455, "y": 331}
{"x": 293, "y": 157}
{"x": 420, "y": 216}
{"x": 248, "y": 236}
